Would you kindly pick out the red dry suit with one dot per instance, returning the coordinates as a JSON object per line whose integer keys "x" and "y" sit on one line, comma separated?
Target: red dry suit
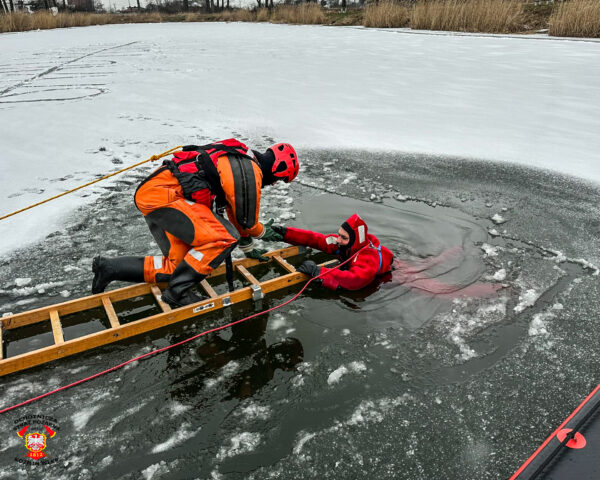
{"x": 371, "y": 262}
{"x": 177, "y": 199}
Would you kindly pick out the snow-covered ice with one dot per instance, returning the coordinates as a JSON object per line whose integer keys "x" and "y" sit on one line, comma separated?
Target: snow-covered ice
{"x": 90, "y": 100}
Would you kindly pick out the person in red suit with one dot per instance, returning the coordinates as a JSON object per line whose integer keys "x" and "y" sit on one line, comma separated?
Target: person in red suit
{"x": 371, "y": 259}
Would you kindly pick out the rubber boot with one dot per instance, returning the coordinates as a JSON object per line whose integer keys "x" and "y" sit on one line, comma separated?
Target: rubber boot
{"x": 129, "y": 269}
{"x": 178, "y": 293}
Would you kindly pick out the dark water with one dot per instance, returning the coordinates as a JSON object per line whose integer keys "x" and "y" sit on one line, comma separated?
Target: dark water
{"x": 458, "y": 366}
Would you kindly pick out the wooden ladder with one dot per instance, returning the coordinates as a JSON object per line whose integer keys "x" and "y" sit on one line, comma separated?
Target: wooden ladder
{"x": 118, "y": 331}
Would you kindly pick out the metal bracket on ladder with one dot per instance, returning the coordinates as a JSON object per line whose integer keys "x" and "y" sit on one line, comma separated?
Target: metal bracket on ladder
{"x": 257, "y": 293}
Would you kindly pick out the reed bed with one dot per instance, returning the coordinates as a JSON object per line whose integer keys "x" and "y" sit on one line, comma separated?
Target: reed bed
{"x": 489, "y": 16}
{"x": 22, "y": 22}
{"x": 576, "y": 18}
{"x": 305, "y": 14}
{"x": 387, "y": 14}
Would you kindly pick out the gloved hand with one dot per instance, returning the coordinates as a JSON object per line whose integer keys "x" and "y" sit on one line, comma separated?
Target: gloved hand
{"x": 271, "y": 233}
{"x": 258, "y": 254}
{"x": 246, "y": 245}
{"x": 310, "y": 268}
{"x": 280, "y": 229}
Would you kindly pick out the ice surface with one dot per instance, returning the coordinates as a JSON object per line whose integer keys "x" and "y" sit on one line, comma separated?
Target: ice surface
{"x": 123, "y": 92}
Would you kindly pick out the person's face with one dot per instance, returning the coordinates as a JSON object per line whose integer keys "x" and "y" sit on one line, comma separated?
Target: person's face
{"x": 343, "y": 237}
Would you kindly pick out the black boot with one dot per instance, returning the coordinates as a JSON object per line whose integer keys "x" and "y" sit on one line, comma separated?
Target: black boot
{"x": 130, "y": 269}
{"x": 178, "y": 293}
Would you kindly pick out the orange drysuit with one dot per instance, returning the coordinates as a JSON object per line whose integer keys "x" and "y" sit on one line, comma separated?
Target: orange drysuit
{"x": 177, "y": 206}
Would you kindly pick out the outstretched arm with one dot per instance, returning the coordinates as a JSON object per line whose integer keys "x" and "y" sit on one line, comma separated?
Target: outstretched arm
{"x": 308, "y": 238}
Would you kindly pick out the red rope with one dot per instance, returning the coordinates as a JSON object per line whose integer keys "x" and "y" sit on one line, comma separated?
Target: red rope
{"x": 153, "y": 352}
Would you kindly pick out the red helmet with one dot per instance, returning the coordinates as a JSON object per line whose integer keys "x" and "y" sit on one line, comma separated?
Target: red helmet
{"x": 285, "y": 166}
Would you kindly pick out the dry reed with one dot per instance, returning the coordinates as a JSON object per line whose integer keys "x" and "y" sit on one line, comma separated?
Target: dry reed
{"x": 305, "y": 14}
{"x": 263, "y": 15}
{"x": 21, "y": 22}
{"x": 386, "y": 14}
{"x": 576, "y": 18}
{"x": 490, "y": 16}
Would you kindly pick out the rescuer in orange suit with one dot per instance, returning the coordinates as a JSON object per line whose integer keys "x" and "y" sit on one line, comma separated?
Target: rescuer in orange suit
{"x": 183, "y": 203}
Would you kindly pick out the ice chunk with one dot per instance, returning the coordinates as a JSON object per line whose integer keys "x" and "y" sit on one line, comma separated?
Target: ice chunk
{"x": 498, "y": 219}
{"x": 526, "y": 299}
{"x": 336, "y": 375}
{"x": 242, "y": 443}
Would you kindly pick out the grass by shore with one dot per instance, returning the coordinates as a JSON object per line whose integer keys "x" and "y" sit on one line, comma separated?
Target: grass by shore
{"x": 577, "y": 18}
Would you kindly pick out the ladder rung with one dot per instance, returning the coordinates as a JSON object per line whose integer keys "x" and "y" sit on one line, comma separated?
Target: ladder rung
{"x": 247, "y": 275}
{"x": 284, "y": 263}
{"x": 110, "y": 312}
{"x": 56, "y": 327}
{"x": 1, "y": 340}
{"x": 158, "y": 296}
{"x": 208, "y": 289}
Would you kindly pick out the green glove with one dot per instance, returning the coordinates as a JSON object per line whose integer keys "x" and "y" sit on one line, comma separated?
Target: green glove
{"x": 270, "y": 234}
{"x": 257, "y": 254}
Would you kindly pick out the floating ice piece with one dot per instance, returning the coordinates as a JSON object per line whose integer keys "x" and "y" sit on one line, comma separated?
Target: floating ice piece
{"x": 82, "y": 417}
{"x": 538, "y": 325}
{"x": 242, "y": 443}
{"x": 498, "y": 219}
{"x": 253, "y": 412}
{"x": 489, "y": 250}
{"x": 526, "y": 299}
{"x": 303, "y": 439}
{"x": 500, "y": 275}
{"x": 287, "y": 215}
{"x": 182, "y": 434}
{"x": 401, "y": 198}
{"x": 21, "y": 282}
{"x": 493, "y": 232}
{"x": 336, "y": 375}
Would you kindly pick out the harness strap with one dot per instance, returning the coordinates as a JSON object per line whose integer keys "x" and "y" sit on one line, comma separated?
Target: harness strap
{"x": 229, "y": 271}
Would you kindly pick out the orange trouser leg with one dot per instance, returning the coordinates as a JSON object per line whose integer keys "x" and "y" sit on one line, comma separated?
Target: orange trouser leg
{"x": 183, "y": 229}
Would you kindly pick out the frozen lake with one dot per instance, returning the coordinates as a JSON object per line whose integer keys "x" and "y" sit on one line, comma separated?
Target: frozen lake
{"x": 436, "y": 140}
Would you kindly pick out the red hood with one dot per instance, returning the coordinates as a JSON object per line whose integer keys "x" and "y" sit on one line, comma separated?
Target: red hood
{"x": 358, "y": 231}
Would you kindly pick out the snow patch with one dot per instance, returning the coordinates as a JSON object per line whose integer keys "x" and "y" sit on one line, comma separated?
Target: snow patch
{"x": 526, "y": 299}
{"x": 180, "y": 436}
{"x": 81, "y": 418}
{"x": 242, "y": 443}
{"x": 336, "y": 375}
